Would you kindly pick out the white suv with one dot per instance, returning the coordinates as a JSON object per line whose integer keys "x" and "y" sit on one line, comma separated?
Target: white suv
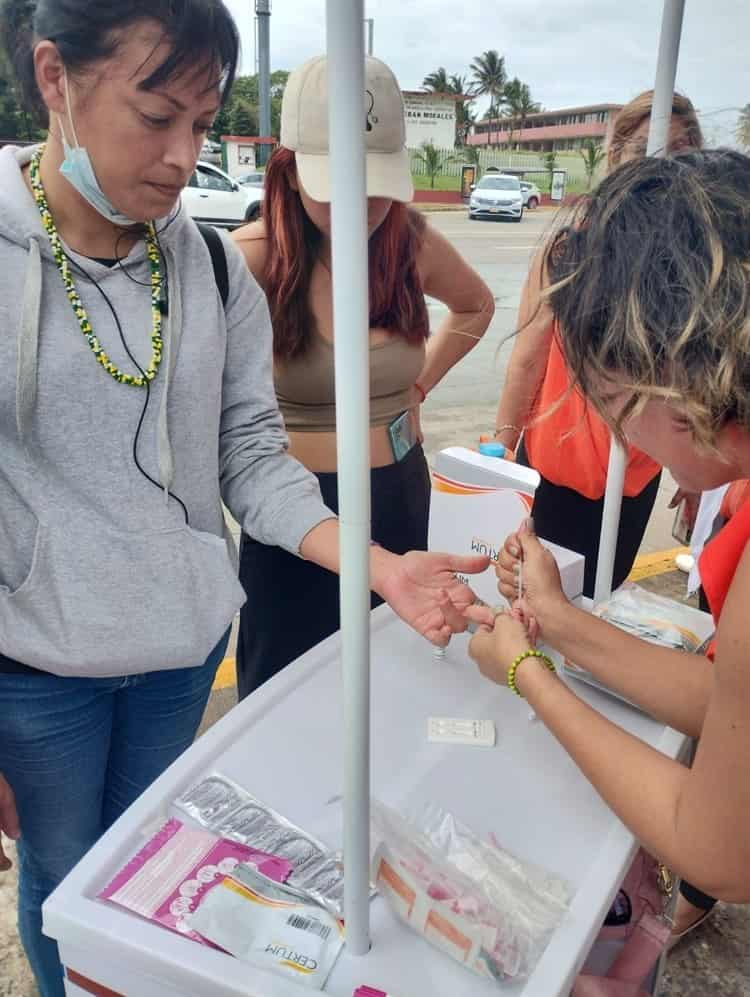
{"x": 212, "y": 196}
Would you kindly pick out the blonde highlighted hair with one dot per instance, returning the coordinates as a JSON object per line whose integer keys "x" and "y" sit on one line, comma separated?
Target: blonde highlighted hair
{"x": 649, "y": 281}
{"x": 630, "y": 118}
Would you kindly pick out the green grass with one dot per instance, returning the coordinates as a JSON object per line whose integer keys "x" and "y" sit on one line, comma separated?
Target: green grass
{"x": 441, "y": 183}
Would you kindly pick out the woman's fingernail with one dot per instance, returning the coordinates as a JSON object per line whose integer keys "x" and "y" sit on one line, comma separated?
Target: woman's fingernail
{"x": 529, "y": 524}
{"x": 516, "y": 568}
{"x": 513, "y": 551}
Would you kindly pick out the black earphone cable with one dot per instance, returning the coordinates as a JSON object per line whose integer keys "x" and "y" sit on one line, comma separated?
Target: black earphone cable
{"x": 140, "y": 370}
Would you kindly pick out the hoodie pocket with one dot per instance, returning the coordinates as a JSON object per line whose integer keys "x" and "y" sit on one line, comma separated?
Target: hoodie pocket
{"x": 106, "y": 603}
{"x": 19, "y": 544}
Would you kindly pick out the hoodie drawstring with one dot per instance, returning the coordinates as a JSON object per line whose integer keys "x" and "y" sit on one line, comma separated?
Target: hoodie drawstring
{"x": 28, "y": 342}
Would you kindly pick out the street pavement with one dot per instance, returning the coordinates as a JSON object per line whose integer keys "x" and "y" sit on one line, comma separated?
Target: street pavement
{"x": 715, "y": 961}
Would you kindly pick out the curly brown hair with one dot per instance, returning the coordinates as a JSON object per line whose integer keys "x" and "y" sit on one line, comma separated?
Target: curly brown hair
{"x": 649, "y": 281}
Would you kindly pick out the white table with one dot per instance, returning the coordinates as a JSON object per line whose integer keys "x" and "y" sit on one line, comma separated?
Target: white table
{"x": 283, "y": 745}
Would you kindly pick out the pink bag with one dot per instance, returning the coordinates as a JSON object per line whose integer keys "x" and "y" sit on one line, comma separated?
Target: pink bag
{"x": 638, "y": 919}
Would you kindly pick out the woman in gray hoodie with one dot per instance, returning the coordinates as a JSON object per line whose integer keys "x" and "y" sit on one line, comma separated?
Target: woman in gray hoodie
{"x": 132, "y": 402}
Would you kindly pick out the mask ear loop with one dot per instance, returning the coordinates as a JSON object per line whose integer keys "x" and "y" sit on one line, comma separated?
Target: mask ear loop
{"x": 70, "y": 115}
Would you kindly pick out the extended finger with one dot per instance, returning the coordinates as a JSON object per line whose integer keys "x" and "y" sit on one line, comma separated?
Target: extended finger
{"x": 469, "y": 564}
{"x": 454, "y": 617}
{"x": 483, "y": 615}
{"x": 512, "y": 545}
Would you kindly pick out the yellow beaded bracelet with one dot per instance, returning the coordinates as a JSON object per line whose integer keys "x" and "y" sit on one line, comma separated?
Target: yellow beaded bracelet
{"x": 530, "y": 653}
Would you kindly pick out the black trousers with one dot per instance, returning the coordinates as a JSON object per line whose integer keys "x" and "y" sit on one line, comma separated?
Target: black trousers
{"x": 293, "y": 604}
{"x": 571, "y": 520}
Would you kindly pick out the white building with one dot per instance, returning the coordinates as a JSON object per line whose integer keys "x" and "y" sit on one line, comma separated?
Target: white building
{"x": 430, "y": 117}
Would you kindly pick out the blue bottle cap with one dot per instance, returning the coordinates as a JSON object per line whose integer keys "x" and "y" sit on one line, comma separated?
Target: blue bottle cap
{"x": 492, "y": 449}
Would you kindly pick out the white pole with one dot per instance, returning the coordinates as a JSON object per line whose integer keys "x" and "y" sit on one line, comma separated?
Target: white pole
{"x": 666, "y": 73}
{"x": 658, "y": 134}
{"x": 346, "y": 118}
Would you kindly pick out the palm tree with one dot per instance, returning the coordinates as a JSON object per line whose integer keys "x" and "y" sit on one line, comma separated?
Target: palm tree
{"x": 592, "y": 154}
{"x": 489, "y": 80}
{"x": 437, "y": 82}
{"x": 432, "y": 159}
{"x": 519, "y": 102}
{"x": 743, "y": 127}
{"x": 512, "y": 98}
{"x": 460, "y": 86}
{"x": 471, "y": 156}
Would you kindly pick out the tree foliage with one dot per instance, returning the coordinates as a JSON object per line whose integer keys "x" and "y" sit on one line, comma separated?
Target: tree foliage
{"x": 432, "y": 159}
{"x": 742, "y": 132}
{"x": 489, "y": 79}
{"x": 592, "y": 155}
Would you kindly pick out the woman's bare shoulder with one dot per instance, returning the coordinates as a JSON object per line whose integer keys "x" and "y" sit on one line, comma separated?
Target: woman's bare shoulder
{"x": 252, "y": 241}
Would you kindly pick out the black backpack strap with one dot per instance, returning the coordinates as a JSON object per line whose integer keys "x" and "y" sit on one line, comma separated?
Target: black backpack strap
{"x": 218, "y": 259}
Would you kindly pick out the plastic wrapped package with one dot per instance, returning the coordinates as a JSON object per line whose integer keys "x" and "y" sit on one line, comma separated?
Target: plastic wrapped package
{"x": 225, "y": 809}
{"x": 650, "y": 617}
{"x": 483, "y": 906}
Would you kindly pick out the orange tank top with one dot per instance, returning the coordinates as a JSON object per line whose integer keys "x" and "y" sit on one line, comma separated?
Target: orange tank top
{"x": 720, "y": 557}
{"x": 570, "y": 445}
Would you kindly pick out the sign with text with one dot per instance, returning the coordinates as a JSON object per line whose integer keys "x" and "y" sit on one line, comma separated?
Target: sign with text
{"x": 430, "y": 118}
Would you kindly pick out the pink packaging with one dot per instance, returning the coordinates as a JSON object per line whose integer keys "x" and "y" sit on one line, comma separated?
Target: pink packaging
{"x": 169, "y": 877}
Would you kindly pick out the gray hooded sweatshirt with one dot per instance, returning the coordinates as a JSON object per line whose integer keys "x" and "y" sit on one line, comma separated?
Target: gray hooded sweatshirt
{"x": 99, "y": 573}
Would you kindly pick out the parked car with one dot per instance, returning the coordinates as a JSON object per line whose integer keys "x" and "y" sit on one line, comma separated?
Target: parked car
{"x": 496, "y": 196}
{"x": 213, "y": 196}
{"x": 254, "y": 179}
{"x": 211, "y": 152}
{"x": 532, "y": 196}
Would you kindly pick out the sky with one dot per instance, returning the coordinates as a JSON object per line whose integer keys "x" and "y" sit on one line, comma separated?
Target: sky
{"x": 570, "y": 53}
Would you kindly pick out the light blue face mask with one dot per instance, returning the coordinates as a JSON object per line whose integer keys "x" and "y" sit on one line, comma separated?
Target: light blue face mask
{"x": 77, "y": 169}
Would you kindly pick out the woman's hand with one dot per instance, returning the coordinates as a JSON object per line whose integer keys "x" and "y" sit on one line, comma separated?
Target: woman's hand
{"x": 691, "y": 499}
{"x": 423, "y": 588}
{"x": 494, "y": 649}
{"x": 8, "y": 821}
{"x": 541, "y": 588}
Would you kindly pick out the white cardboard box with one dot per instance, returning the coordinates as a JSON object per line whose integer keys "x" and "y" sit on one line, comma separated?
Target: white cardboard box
{"x": 476, "y": 502}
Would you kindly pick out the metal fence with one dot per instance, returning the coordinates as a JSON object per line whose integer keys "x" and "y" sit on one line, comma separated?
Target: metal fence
{"x": 530, "y": 164}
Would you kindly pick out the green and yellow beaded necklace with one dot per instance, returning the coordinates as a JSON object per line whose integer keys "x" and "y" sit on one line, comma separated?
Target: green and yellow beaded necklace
{"x": 152, "y": 249}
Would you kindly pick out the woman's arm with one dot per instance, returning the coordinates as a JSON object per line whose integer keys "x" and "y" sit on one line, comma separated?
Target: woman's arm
{"x": 673, "y": 686}
{"x": 528, "y": 360}
{"x": 696, "y": 820}
{"x": 449, "y": 278}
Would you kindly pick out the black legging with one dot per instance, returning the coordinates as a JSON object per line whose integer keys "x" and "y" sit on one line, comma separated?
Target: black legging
{"x": 293, "y": 604}
{"x": 571, "y": 520}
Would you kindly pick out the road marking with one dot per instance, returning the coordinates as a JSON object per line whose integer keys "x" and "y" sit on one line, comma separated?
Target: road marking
{"x": 226, "y": 676}
{"x": 658, "y": 563}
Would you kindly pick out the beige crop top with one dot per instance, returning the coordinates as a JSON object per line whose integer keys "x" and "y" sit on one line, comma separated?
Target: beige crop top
{"x": 305, "y": 385}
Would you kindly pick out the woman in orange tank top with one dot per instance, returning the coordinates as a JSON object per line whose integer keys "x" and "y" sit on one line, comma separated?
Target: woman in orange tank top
{"x": 658, "y": 340}
{"x": 288, "y": 252}
{"x": 563, "y": 437}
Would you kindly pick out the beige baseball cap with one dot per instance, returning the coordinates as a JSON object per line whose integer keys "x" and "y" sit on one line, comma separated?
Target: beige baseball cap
{"x": 304, "y": 130}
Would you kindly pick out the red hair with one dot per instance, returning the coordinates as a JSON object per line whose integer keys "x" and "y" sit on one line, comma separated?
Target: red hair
{"x": 396, "y": 298}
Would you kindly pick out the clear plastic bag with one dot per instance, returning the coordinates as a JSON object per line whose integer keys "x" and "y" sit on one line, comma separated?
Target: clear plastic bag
{"x": 650, "y": 617}
{"x": 486, "y": 908}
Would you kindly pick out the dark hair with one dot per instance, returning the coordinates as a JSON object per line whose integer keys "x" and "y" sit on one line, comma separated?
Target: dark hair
{"x": 396, "y": 298}
{"x": 200, "y": 32}
{"x": 650, "y": 283}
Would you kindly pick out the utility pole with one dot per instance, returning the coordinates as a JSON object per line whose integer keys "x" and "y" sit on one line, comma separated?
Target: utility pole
{"x": 263, "y": 16}
{"x": 370, "y": 22}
